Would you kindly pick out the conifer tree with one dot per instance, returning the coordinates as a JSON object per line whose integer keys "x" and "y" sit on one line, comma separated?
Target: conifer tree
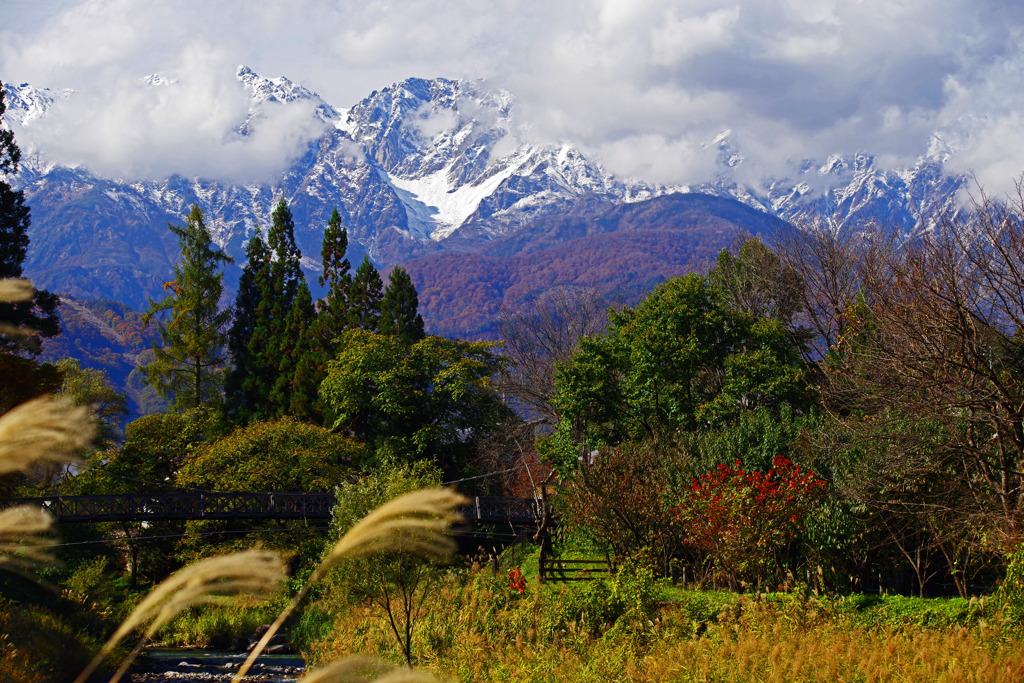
{"x": 364, "y": 298}
{"x": 399, "y": 309}
{"x": 318, "y": 341}
{"x": 331, "y": 315}
{"x": 188, "y": 364}
{"x": 242, "y": 326}
{"x": 335, "y": 275}
{"x": 278, "y": 282}
{"x": 302, "y": 367}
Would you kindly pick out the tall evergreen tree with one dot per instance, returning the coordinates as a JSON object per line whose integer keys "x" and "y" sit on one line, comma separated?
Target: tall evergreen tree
{"x": 335, "y": 275}
{"x": 399, "y": 309}
{"x": 302, "y": 366}
{"x": 242, "y": 326}
{"x": 364, "y": 298}
{"x": 317, "y": 343}
{"x": 331, "y": 316}
{"x": 23, "y": 377}
{"x": 189, "y": 361}
{"x": 278, "y": 281}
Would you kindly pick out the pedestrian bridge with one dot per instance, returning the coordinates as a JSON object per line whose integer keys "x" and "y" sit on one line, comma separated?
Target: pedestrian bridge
{"x": 159, "y": 507}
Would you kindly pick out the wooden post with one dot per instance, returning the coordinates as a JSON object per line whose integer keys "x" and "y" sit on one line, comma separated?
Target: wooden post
{"x": 543, "y": 536}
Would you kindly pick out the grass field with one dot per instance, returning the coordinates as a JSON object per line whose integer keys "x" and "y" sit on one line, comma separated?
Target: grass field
{"x": 478, "y": 629}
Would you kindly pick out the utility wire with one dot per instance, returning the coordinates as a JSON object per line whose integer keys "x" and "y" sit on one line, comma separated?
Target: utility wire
{"x": 492, "y": 474}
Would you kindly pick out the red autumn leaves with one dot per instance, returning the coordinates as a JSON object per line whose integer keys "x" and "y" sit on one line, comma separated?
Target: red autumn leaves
{"x": 742, "y": 521}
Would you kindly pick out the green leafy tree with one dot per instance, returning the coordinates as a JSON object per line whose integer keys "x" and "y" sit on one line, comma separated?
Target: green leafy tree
{"x": 409, "y": 402}
{"x": 395, "y": 583}
{"x": 751, "y": 279}
{"x": 154, "y": 449}
{"x": 364, "y": 298}
{"x": 88, "y": 387}
{"x": 678, "y": 362}
{"x": 188, "y": 368}
{"x": 399, "y": 308}
{"x": 272, "y": 455}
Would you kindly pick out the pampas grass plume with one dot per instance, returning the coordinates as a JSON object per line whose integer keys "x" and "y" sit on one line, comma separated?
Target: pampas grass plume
{"x": 258, "y": 572}
{"x": 12, "y": 290}
{"x": 417, "y": 522}
{"x": 22, "y": 537}
{"x": 43, "y": 431}
{"x": 358, "y": 669}
{"x": 17, "y": 291}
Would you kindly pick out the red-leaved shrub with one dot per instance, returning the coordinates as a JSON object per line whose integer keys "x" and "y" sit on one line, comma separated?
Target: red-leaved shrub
{"x": 742, "y": 521}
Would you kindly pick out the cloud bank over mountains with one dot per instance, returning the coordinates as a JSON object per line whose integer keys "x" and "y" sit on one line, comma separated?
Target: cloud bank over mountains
{"x": 645, "y": 85}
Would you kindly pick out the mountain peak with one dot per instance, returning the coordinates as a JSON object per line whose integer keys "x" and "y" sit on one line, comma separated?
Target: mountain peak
{"x": 26, "y": 103}
{"x": 282, "y": 90}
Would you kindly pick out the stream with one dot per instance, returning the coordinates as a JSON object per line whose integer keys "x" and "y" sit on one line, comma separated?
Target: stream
{"x": 165, "y": 666}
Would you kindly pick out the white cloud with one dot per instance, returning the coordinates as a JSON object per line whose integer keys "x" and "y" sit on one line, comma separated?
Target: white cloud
{"x": 429, "y": 123}
{"x": 676, "y": 39}
{"x": 187, "y": 123}
{"x": 643, "y": 83}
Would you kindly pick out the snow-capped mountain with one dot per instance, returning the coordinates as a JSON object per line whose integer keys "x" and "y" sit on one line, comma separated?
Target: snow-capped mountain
{"x": 419, "y": 167}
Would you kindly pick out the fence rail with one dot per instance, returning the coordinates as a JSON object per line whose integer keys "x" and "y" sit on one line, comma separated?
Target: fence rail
{"x": 568, "y": 569}
{"x": 155, "y": 507}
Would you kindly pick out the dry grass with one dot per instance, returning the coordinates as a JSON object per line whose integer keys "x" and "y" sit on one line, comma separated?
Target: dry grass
{"x": 832, "y": 652}
{"x": 13, "y": 290}
{"x": 361, "y": 669}
{"x": 476, "y": 631}
{"x": 40, "y": 432}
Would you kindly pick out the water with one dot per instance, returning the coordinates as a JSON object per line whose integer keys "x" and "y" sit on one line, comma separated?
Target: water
{"x": 165, "y": 666}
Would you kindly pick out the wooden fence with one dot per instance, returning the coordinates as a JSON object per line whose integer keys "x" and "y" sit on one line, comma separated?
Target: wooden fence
{"x": 555, "y": 569}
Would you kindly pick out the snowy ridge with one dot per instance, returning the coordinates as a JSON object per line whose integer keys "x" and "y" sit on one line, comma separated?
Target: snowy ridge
{"x": 421, "y": 164}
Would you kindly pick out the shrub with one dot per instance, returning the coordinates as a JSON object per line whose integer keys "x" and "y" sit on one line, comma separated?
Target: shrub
{"x": 629, "y": 596}
{"x": 742, "y": 520}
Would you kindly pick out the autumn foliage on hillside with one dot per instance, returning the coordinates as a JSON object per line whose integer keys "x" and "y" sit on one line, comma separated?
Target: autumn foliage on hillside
{"x": 622, "y": 250}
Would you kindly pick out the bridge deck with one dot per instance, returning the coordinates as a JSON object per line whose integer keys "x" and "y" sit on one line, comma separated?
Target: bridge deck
{"x": 156, "y": 507}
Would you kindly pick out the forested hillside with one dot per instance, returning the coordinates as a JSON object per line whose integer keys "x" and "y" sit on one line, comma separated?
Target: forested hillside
{"x": 619, "y": 250}
{"x": 106, "y": 335}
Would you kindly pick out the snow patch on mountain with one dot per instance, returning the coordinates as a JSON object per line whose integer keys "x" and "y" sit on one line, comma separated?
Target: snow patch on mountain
{"x": 439, "y": 209}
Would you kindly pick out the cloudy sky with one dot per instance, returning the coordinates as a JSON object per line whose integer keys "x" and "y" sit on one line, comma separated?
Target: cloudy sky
{"x": 642, "y": 84}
